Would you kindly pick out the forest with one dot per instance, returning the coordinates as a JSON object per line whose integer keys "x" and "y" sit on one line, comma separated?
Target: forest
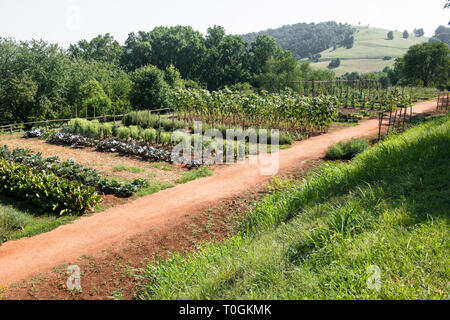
{"x": 305, "y": 40}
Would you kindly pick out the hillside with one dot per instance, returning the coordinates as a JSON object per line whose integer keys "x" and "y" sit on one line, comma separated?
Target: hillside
{"x": 369, "y": 48}
{"x": 374, "y": 228}
{"x": 306, "y": 39}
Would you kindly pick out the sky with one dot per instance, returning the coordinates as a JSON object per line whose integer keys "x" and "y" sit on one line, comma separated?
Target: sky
{"x": 67, "y": 21}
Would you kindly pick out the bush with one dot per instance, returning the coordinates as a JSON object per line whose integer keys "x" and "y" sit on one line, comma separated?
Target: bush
{"x": 149, "y": 89}
{"x": 346, "y": 150}
{"x": 149, "y": 135}
{"x": 334, "y": 63}
{"x": 134, "y": 132}
{"x": 123, "y": 133}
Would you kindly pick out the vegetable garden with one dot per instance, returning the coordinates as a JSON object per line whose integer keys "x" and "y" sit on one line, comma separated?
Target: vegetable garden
{"x": 150, "y": 135}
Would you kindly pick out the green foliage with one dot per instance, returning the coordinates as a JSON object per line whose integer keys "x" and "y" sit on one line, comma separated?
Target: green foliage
{"x": 316, "y": 239}
{"x": 283, "y": 110}
{"x": 128, "y": 169}
{"x": 425, "y": 64}
{"x": 149, "y": 135}
{"x": 48, "y": 192}
{"x": 149, "y": 89}
{"x": 346, "y": 150}
{"x": 123, "y": 133}
{"x": 334, "y": 63}
{"x": 101, "y": 48}
{"x": 94, "y": 98}
{"x": 71, "y": 171}
{"x": 195, "y": 174}
{"x": 305, "y": 40}
{"x": 405, "y": 34}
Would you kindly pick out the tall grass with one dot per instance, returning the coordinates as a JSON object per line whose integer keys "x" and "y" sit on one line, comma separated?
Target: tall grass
{"x": 318, "y": 238}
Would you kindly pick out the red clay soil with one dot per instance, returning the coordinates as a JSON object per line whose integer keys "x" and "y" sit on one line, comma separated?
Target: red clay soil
{"x": 24, "y": 258}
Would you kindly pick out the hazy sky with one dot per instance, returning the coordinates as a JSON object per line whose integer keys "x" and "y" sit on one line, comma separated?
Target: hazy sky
{"x": 67, "y": 21}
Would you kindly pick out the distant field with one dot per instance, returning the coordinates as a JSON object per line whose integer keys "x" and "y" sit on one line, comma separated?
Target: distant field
{"x": 368, "y": 52}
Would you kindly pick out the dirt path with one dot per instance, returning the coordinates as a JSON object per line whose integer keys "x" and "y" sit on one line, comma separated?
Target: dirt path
{"x": 26, "y": 257}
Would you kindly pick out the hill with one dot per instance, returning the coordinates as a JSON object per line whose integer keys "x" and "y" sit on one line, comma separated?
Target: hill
{"x": 306, "y": 39}
{"x": 369, "y": 49}
{"x": 373, "y": 228}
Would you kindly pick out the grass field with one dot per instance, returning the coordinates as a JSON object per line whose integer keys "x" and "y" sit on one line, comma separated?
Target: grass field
{"x": 368, "y": 51}
{"x": 374, "y": 228}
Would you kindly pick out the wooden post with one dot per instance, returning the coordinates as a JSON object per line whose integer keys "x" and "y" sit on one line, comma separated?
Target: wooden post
{"x": 114, "y": 114}
{"x": 159, "y": 118}
{"x": 11, "y": 129}
{"x": 312, "y": 88}
{"x": 149, "y": 118}
{"x": 173, "y": 120}
{"x": 446, "y": 106}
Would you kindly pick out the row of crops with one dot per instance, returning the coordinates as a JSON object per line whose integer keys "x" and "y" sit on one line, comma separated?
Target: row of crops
{"x": 47, "y": 192}
{"x": 54, "y": 186}
{"x": 285, "y": 110}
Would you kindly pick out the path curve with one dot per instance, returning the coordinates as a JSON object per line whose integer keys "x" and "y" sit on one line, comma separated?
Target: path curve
{"x": 23, "y": 258}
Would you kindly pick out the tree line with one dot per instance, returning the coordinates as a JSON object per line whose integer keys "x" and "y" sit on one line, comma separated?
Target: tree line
{"x": 306, "y": 40}
{"x": 40, "y": 80}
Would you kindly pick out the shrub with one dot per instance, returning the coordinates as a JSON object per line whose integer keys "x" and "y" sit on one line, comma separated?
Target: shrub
{"x": 149, "y": 88}
{"x": 123, "y": 133}
{"x": 134, "y": 132}
{"x": 334, "y": 63}
{"x": 346, "y": 150}
{"x": 106, "y": 130}
{"x": 149, "y": 135}
{"x": 165, "y": 138}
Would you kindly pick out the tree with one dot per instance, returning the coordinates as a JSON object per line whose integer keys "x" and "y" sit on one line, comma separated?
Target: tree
{"x": 149, "y": 90}
{"x": 307, "y": 39}
{"x": 279, "y": 73}
{"x": 419, "y": 32}
{"x": 94, "y": 99}
{"x": 390, "y": 35}
{"x": 137, "y": 51}
{"x": 101, "y": 48}
{"x": 172, "y": 77}
{"x": 334, "y": 63}
{"x": 405, "y": 34}
{"x": 427, "y": 64}
{"x": 33, "y": 75}
{"x": 441, "y": 34}
{"x": 261, "y": 50}
{"x": 226, "y": 59}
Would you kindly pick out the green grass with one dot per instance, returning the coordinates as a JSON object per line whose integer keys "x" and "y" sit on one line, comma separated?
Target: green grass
{"x": 368, "y": 51}
{"x": 346, "y": 150}
{"x": 154, "y": 186}
{"x": 194, "y": 174}
{"x": 19, "y": 219}
{"x": 128, "y": 169}
{"x": 318, "y": 239}
{"x": 160, "y": 166}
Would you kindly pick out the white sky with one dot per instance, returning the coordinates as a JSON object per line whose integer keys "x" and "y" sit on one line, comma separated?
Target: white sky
{"x": 67, "y": 21}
